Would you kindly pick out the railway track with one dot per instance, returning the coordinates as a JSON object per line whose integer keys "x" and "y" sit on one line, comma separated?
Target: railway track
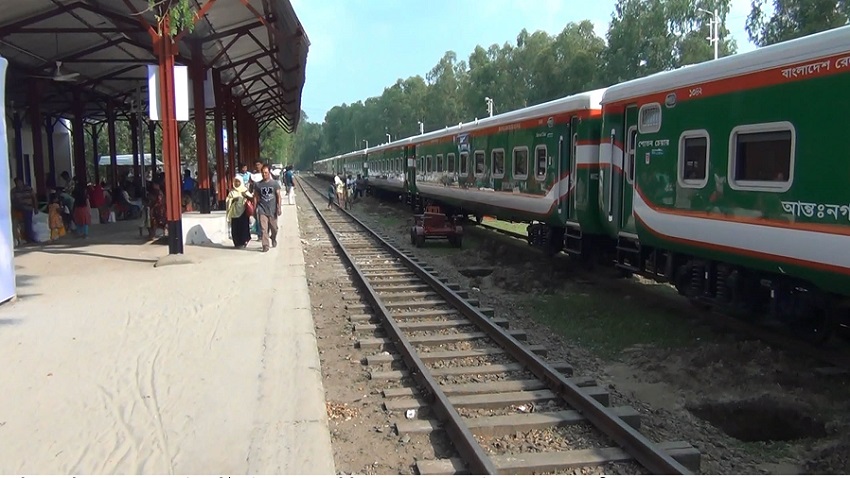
{"x": 473, "y": 378}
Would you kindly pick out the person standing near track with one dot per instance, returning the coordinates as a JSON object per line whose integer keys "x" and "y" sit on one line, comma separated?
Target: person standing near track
{"x": 268, "y": 206}
{"x": 289, "y": 183}
{"x": 340, "y": 191}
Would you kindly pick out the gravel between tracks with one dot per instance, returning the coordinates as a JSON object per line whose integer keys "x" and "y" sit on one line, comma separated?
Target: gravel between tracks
{"x": 663, "y": 384}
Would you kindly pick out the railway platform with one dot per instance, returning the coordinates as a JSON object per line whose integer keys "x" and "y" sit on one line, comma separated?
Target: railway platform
{"x": 114, "y": 366}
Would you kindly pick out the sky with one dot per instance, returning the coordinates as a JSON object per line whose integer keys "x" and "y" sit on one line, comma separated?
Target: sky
{"x": 360, "y": 47}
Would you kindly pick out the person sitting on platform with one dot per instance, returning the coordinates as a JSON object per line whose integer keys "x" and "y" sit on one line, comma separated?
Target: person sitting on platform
{"x": 97, "y": 198}
{"x": 188, "y": 190}
{"x": 82, "y": 209}
{"x": 24, "y": 206}
{"x": 54, "y": 218}
{"x": 154, "y": 218}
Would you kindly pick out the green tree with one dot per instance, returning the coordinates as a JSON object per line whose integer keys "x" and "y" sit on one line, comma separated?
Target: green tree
{"x": 649, "y": 36}
{"x": 791, "y": 19}
{"x": 276, "y": 145}
{"x": 444, "y": 90}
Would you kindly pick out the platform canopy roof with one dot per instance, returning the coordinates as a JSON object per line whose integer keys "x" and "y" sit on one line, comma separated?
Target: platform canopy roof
{"x": 259, "y": 47}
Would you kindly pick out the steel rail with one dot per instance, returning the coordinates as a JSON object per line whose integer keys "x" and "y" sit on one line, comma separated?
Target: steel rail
{"x": 643, "y": 450}
{"x": 470, "y": 450}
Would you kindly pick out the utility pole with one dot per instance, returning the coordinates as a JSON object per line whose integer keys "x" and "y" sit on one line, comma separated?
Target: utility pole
{"x": 715, "y": 30}
{"x": 489, "y": 102}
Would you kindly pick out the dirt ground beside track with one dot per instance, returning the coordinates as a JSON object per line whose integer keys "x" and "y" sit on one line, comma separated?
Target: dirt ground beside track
{"x": 749, "y": 408}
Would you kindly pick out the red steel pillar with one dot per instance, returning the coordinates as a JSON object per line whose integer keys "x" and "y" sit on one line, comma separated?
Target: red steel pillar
{"x": 165, "y": 50}
{"x": 113, "y": 149}
{"x": 231, "y": 139}
{"x": 237, "y": 121}
{"x": 255, "y": 143}
{"x": 95, "y": 134}
{"x": 49, "y": 125}
{"x": 198, "y": 75}
{"x": 79, "y": 137}
{"x": 152, "y": 141}
{"x": 218, "y": 124}
{"x": 134, "y": 138}
{"x": 36, "y": 125}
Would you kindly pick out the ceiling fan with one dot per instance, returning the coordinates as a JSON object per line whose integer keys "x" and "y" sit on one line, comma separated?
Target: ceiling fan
{"x": 59, "y": 76}
{"x": 57, "y": 73}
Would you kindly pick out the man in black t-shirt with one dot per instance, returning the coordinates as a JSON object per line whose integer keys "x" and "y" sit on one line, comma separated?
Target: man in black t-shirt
{"x": 267, "y": 203}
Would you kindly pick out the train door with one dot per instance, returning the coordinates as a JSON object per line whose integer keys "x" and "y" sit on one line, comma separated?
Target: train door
{"x": 573, "y": 167}
{"x": 627, "y": 222}
{"x": 409, "y": 154}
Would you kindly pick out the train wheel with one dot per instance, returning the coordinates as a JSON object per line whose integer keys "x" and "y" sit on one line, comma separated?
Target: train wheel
{"x": 818, "y": 328}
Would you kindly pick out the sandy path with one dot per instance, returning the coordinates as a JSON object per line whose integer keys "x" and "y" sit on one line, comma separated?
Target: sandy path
{"x": 114, "y": 367}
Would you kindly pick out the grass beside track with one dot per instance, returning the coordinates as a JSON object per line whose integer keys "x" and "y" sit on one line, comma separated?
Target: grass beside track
{"x": 518, "y": 227}
{"x": 607, "y": 324}
{"x": 603, "y": 321}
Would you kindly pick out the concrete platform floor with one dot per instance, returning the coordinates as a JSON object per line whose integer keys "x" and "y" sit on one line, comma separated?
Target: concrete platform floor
{"x": 112, "y": 366}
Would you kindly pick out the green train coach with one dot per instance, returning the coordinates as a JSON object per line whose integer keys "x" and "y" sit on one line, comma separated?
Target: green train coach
{"x": 728, "y": 179}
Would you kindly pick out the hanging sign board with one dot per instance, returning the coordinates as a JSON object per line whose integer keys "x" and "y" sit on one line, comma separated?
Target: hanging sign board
{"x": 7, "y": 244}
{"x": 209, "y": 93}
{"x": 181, "y": 92}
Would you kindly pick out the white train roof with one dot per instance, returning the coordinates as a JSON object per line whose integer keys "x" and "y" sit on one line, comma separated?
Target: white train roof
{"x": 577, "y": 102}
{"x": 830, "y": 42}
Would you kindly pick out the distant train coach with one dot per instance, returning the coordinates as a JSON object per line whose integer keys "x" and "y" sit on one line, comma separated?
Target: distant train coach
{"x": 729, "y": 179}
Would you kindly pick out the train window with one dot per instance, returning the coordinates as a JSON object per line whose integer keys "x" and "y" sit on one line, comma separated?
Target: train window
{"x": 464, "y": 164}
{"x": 450, "y": 158}
{"x": 440, "y": 167}
{"x": 480, "y": 166}
{"x": 429, "y": 164}
{"x": 761, "y": 157}
{"x": 497, "y": 165}
{"x": 649, "y": 118}
{"x": 540, "y": 162}
{"x": 521, "y": 163}
{"x": 421, "y": 164}
{"x": 693, "y": 159}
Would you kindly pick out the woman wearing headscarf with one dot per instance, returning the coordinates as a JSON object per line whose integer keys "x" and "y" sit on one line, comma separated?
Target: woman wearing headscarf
{"x": 237, "y": 215}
